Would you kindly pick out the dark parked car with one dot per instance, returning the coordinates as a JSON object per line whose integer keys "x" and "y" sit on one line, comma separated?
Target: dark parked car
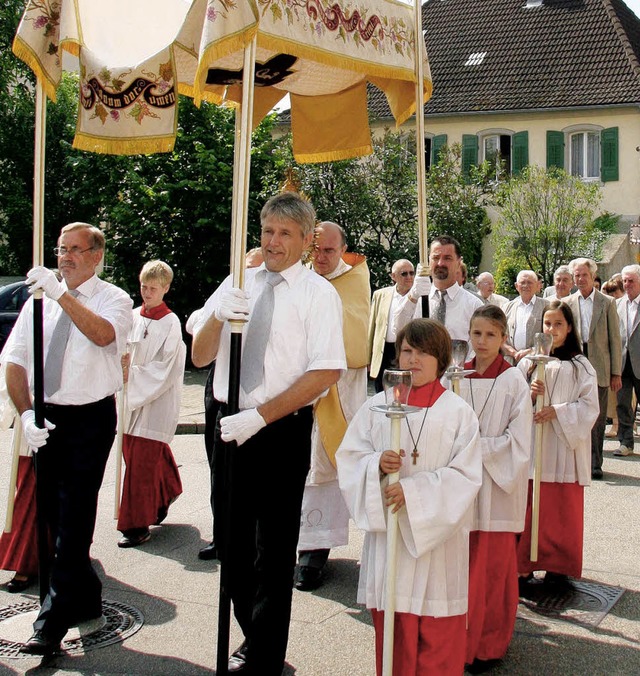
{"x": 12, "y": 298}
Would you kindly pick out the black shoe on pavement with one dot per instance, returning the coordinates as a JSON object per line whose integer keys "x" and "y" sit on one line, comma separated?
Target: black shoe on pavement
{"x": 208, "y": 553}
{"x": 597, "y": 474}
{"x": 40, "y": 644}
{"x": 238, "y": 660}
{"x": 309, "y": 578}
{"x": 130, "y": 539}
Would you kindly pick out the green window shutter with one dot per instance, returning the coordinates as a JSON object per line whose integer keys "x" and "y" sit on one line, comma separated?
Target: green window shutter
{"x": 519, "y": 152}
{"x": 555, "y": 149}
{"x": 609, "y": 154}
{"x": 469, "y": 152}
{"x": 437, "y": 143}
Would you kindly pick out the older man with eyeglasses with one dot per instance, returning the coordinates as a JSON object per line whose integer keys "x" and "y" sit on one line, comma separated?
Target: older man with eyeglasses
{"x": 86, "y": 324}
{"x": 382, "y": 329}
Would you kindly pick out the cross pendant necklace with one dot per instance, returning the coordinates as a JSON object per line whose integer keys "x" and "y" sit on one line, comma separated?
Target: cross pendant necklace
{"x": 146, "y": 328}
{"x": 414, "y": 453}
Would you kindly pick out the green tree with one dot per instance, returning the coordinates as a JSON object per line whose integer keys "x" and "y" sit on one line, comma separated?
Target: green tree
{"x": 546, "y": 219}
{"x": 373, "y": 198}
{"x": 456, "y": 203}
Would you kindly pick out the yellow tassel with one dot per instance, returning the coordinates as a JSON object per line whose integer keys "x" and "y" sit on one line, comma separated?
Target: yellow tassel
{"x": 334, "y": 155}
{"x": 25, "y": 53}
{"x": 116, "y": 146}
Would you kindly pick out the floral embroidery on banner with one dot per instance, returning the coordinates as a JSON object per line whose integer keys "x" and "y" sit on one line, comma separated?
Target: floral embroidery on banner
{"x": 110, "y": 96}
{"x": 46, "y": 20}
{"x": 351, "y": 23}
{"x": 213, "y": 13}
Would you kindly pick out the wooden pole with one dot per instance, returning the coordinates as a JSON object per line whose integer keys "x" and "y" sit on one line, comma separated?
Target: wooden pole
{"x": 13, "y": 477}
{"x": 421, "y": 168}
{"x": 240, "y": 208}
{"x": 122, "y": 407}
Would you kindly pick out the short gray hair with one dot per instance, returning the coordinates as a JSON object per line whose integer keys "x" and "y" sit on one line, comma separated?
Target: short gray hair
{"x": 484, "y": 276}
{"x": 591, "y": 264}
{"x": 633, "y": 269}
{"x": 96, "y": 236}
{"x": 562, "y": 270}
{"x": 291, "y": 207}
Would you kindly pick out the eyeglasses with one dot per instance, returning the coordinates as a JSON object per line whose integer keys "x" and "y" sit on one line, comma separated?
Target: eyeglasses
{"x": 73, "y": 251}
{"x": 408, "y": 273}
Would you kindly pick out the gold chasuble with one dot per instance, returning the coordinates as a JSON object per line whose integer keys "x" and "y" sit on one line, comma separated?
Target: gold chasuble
{"x": 354, "y": 291}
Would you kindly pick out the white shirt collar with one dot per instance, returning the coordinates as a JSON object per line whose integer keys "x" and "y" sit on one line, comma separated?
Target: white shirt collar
{"x": 590, "y": 297}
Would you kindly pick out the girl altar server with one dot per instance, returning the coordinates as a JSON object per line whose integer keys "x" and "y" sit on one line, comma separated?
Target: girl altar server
{"x": 153, "y": 372}
{"x": 440, "y": 475}
{"x": 570, "y": 410}
{"x": 499, "y": 395}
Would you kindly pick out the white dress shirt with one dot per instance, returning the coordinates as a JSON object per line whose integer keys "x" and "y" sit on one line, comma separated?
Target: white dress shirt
{"x": 461, "y": 304}
{"x": 586, "y": 313}
{"x": 523, "y": 312}
{"x": 396, "y": 302}
{"x": 89, "y": 372}
{"x": 306, "y": 332}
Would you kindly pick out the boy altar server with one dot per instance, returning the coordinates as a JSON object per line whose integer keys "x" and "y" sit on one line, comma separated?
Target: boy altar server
{"x": 153, "y": 372}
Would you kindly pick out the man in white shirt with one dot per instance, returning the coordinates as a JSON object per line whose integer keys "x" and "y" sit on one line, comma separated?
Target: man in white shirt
{"x": 448, "y": 302}
{"x": 629, "y": 317}
{"x": 486, "y": 288}
{"x": 293, "y": 351}
{"x": 324, "y": 522}
{"x": 524, "y": 316}
{"x": 86, "y": 324}
{"x": 598, "y": 329}
{"x": 382, "y": 328}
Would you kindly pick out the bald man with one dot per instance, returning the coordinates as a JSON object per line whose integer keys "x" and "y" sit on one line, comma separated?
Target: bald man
{"x": 324, "y": 522}
{"x": 486, "y": 289}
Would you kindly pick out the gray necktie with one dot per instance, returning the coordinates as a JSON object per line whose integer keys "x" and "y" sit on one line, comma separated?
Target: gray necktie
{"x": 55, "y": 353}
{"x": 255, "y": 344}
{"x": 441, "y": 311}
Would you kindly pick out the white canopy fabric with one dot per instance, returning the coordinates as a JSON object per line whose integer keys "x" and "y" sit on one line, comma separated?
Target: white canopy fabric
{"x": 135, "y": 57}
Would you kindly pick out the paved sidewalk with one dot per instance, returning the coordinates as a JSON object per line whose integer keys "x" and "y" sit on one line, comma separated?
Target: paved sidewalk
{"x": 191, "y": 420}
{"x": 331, "y": 635}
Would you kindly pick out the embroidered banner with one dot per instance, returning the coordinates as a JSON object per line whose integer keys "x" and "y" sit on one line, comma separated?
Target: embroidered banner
{"x": 135, "y": 57}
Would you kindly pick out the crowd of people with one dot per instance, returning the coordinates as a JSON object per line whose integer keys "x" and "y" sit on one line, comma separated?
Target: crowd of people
{"x": 313, "y": 336}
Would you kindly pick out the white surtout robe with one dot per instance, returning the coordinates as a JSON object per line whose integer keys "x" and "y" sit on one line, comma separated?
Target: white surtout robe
{"x": 505, "y": 427}
{"x": 156, "y": 373}
{"x": 440, "y": 489}
{"x": 566, "y": 441}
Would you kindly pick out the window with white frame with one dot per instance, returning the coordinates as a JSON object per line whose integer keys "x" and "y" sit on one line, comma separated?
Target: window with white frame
{"x": 584, "y": 154}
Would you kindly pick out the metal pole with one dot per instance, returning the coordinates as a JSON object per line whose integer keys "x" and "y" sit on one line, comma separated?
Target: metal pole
{"x": 392, "y": 544}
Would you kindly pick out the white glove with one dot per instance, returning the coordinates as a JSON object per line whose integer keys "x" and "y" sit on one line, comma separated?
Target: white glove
{"x": 45, "y": 279}
{"x": 233, "y": 305}
{"x": 421, "y": 285}
{"x": 241, "y": 426}
{"x": 35, "y": 436}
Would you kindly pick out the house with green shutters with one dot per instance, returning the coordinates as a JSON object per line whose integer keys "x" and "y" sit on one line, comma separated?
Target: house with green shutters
{"x": 546, "y": 82}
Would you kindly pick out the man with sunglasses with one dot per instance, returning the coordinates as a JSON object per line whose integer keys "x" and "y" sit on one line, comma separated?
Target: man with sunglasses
{"x": 86, "y": 323}
{"x": 382, "y": 330}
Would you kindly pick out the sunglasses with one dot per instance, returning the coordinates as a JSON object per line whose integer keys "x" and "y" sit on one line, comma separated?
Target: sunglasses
{"x": 408, "y": 273}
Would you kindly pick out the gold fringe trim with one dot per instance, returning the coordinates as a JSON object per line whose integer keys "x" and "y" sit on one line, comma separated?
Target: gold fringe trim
{"x": 333, "y": 155}
{"x": 232, "y": 43}
{"x": 25, "y": 53}
{"x": 71, "y": 46}
{"x": 116, "y": 146}
{"x": 279, "y": 44}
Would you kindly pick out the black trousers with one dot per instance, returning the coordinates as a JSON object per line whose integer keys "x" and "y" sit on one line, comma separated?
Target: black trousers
{"x": 211, "y": 407}
{"x": 72, "y": 468}
{"x": 259, "y": 549}
{"x": 627, "y": 414}
{"x": 388, "y": 360}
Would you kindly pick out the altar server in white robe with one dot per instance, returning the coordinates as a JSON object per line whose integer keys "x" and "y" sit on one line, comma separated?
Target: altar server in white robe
{"x": 570, "y": 409}
{"x": 499, "y": 394}
{"x": 154, "y": 373}
{"x": 440, "y": 475}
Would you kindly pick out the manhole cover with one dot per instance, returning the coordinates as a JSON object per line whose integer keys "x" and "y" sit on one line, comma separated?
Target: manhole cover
{"x": 118, "y": 622}
{"x": 579, "y": 601}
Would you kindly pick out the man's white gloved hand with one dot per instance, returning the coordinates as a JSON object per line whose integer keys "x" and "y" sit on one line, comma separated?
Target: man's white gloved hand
{"x": 421, "y": 285}
{"x": 233, "y": 305}
{"x": 35, "y": 436}
{"x": 45, "y": 279}
{"x": 241, "y": 426}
